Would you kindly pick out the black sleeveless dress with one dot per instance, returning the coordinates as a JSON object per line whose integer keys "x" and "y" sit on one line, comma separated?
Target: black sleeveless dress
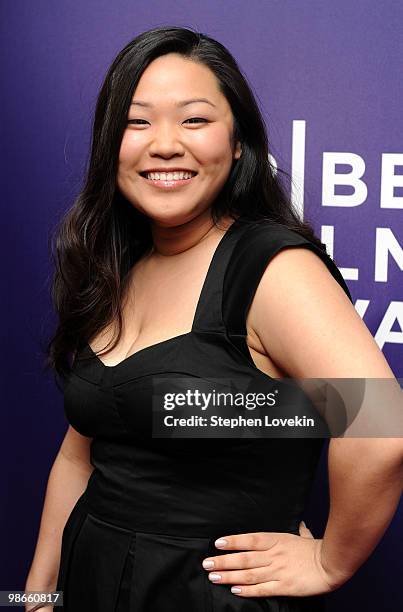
{"x": 153, "y": 507}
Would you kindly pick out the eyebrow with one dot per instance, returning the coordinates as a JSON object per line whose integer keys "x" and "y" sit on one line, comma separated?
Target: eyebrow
{"x": 179, "y": 104}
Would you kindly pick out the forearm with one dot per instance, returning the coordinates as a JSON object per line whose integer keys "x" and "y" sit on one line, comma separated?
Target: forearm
{"x": 67, "y": 481}
{"x": 365, "y": 480}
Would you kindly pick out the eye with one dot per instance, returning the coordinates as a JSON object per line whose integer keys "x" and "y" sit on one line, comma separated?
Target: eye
{"x": 196, "y": 119}
{"x": 136, "y": 120}
{"x": 143, "y": 121}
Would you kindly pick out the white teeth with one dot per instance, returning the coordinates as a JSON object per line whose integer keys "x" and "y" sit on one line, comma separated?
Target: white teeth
{"x": 168, "y": 176}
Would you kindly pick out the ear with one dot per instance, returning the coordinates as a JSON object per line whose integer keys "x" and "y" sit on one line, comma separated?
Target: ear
{"x": 238, "y": 150}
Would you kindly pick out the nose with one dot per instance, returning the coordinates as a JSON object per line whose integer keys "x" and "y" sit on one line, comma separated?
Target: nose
{"x": 166, "y": 142}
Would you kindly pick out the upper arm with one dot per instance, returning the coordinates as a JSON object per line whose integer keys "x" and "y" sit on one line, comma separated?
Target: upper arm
{"x": 307, "y": 324}
{"x": 76, "y": 448}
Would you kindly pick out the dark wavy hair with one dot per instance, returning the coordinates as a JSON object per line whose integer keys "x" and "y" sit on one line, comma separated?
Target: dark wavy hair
{"x": 102, "y": 235}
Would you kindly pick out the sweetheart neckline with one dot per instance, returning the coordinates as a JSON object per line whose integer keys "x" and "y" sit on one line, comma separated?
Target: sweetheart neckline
{"x": 142, "y": 350}
{"x": 247, "y": 358}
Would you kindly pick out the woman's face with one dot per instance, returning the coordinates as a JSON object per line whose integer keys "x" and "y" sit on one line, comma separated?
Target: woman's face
{"x": 168, "y": 132}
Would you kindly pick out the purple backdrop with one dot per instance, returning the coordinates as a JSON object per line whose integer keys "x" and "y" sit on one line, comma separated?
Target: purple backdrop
{"x": 329, "y": 81}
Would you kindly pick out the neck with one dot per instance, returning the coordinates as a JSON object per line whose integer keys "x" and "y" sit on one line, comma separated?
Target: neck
{"x": 176, "y": 239}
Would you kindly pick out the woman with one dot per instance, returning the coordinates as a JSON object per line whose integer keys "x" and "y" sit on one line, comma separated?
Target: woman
{"x": 164, "y": 258}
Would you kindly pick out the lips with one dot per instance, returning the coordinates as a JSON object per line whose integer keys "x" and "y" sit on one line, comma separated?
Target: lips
{"x": 145, "y": 172}
{"x": 169, "y": 184}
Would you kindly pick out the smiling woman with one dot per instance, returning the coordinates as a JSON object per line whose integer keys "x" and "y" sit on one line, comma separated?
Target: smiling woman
{"x": 185, "y": 259}
{"x": 191, "y": 135}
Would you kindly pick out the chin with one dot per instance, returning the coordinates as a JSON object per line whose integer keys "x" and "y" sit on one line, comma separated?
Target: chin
{"x": 171, "y": 217}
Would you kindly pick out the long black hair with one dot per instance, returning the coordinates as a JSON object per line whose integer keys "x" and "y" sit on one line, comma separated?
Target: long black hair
{"x": 102, "y": 235}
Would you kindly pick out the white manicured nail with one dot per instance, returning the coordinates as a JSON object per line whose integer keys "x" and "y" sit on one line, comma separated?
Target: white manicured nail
{"x": 220, "y": 542}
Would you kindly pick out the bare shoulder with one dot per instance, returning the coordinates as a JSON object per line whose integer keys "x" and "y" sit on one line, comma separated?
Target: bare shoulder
{"x": 306, "y": 323}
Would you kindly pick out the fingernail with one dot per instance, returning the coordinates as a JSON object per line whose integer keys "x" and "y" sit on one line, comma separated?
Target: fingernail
{"x": 236, "y": 590}
{"x": 303, "y": 523}
{"x": 208, "y": 564}
{"x": 214, "y": 577}
{"x": 220, "y": 542}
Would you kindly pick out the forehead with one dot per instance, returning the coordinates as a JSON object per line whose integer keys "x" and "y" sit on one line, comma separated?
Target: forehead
{"x": 173, "y": 76}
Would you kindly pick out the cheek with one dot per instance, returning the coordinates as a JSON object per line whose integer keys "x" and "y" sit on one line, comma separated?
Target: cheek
{"x": 212, "y": 147}
{"x": 130, "y": 149}
{"x": 129, "y": 157}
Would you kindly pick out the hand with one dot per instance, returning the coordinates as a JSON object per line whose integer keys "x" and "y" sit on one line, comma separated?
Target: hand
{"x": 273, "y": 564}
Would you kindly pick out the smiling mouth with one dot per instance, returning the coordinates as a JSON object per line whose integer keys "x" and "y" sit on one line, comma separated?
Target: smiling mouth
{"x": 168, "y": 176}
{"x": 160, "y": 180}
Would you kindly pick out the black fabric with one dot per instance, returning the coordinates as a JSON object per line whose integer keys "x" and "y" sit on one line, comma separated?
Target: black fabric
{"x": 153, "y": 507}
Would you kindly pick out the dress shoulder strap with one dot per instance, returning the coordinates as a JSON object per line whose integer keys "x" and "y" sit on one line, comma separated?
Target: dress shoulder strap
{"x": 254, "y": 250}
{"x": 208, "y": 316}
